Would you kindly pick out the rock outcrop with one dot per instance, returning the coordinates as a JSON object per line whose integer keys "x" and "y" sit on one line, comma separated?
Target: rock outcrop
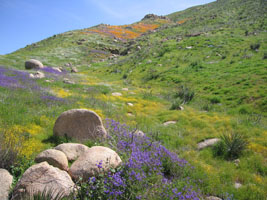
{"x": 33, "y": 64}
{"x": 153, "y": 17}
{"x": 54, "y": 157}
{"x": 93, "y": 162}
{"x": 80, "y": 124}
{"x": 43, "y": 178}
{"x": 5, "y": 183}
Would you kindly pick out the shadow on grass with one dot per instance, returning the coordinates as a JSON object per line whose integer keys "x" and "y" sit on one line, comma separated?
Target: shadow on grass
{"x": 56, "y": 140}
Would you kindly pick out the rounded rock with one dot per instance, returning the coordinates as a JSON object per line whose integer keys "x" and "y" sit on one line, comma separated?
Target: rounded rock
{"x": 33, "y": 64}
{"x": 80, "y": 124}
{"x": 43, "y": 178}
{"x": 72, "y": 150}
{"x": 5, "y": 183}
{"x": 95, "y": 161}
{"x": 207, "y": 143}
{"x": 54, "y": 157}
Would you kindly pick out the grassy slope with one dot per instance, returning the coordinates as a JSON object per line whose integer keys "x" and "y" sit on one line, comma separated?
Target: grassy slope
{"x": 227, "y": 76}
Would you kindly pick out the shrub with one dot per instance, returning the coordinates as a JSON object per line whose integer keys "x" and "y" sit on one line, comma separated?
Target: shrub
{"x": 230, "y": 146}
{"x": 206, "y": 107}
{"x": 9, "y": 150}
{"x": 152, "y": 74}
{"x": 185, "y": 94}
{"x": 196, "y": 66}
{"x": 176, "y": 104}
{"x": 215, "y": 100}
{"x": 124, "y": 76}
{"x": 255, "y": 46}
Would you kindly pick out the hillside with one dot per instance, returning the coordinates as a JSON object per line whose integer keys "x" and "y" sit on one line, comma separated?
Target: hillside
{"x": 183, "y": 78}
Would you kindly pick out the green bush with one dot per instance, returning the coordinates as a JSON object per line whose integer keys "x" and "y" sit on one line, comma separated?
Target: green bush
{"x": 230, "y": 146}
{"x": 255, "y": 46}
{"x": 215, "y": 100}
{"x": 185, "y": 94}
{"x": 176, "y": 104}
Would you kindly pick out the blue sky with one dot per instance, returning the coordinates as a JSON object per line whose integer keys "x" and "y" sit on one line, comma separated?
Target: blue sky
{"x": 27, "y": 21}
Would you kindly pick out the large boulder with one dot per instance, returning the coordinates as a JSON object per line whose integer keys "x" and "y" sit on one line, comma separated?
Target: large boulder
{"x": 80, "y": 124}
{"x": 93, "y": 162}
{"x": 33, "y": 64}
{"x": 54, "y": 157}
{"x": 43, "y": 178}
{"x": 72, "y": 150}
{"x": 5, "y": 183}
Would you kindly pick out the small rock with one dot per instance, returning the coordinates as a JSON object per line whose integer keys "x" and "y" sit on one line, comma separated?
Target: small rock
{"x": 80, "y": 124}
{"x": 116, "y": 94}
{"x": 189, "y": 47}
{"x": 54, "y": 157}
{"x": 130, "y": 104}
{"x": 33, "y": 64}
{"x": 236, "y": 162}
{"x": 181, "y": 108}
{"x": 139, "y": 48}
{"x": 149, "y": 61}
{"x": 67, "y": 81}
{"x": 42, "y": 178}
{"x": 169, "y": 122}
{"x": 57, "y": 69}
{"x": 238, "y": 185}
{"x": 72, "y": 150}
{"x": 5, "y": 184}
{"x": 74, "y": 70}
{"x": 139, "y": 133}
{"x": 37, "y": 75}
{"x": 68, "y": 64}
{"x": 207, "y": 143}
{"x": 130, "y": 114}
{"x": 213, "y": 198}
{"x": 125, "y": 89}
{"x": 94, "y": 161}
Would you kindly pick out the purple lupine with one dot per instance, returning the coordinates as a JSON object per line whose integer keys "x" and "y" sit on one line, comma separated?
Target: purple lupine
{"x": 143, "y": 158}
{"x": 146, "y": 157}
{"x": 12, "y": 79}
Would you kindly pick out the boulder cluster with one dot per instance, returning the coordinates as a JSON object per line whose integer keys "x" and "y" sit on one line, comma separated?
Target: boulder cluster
{"x": 57, "y": 169}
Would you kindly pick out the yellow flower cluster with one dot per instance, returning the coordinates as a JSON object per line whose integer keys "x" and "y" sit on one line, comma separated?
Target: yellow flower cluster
{"x": 19, "y": 139}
